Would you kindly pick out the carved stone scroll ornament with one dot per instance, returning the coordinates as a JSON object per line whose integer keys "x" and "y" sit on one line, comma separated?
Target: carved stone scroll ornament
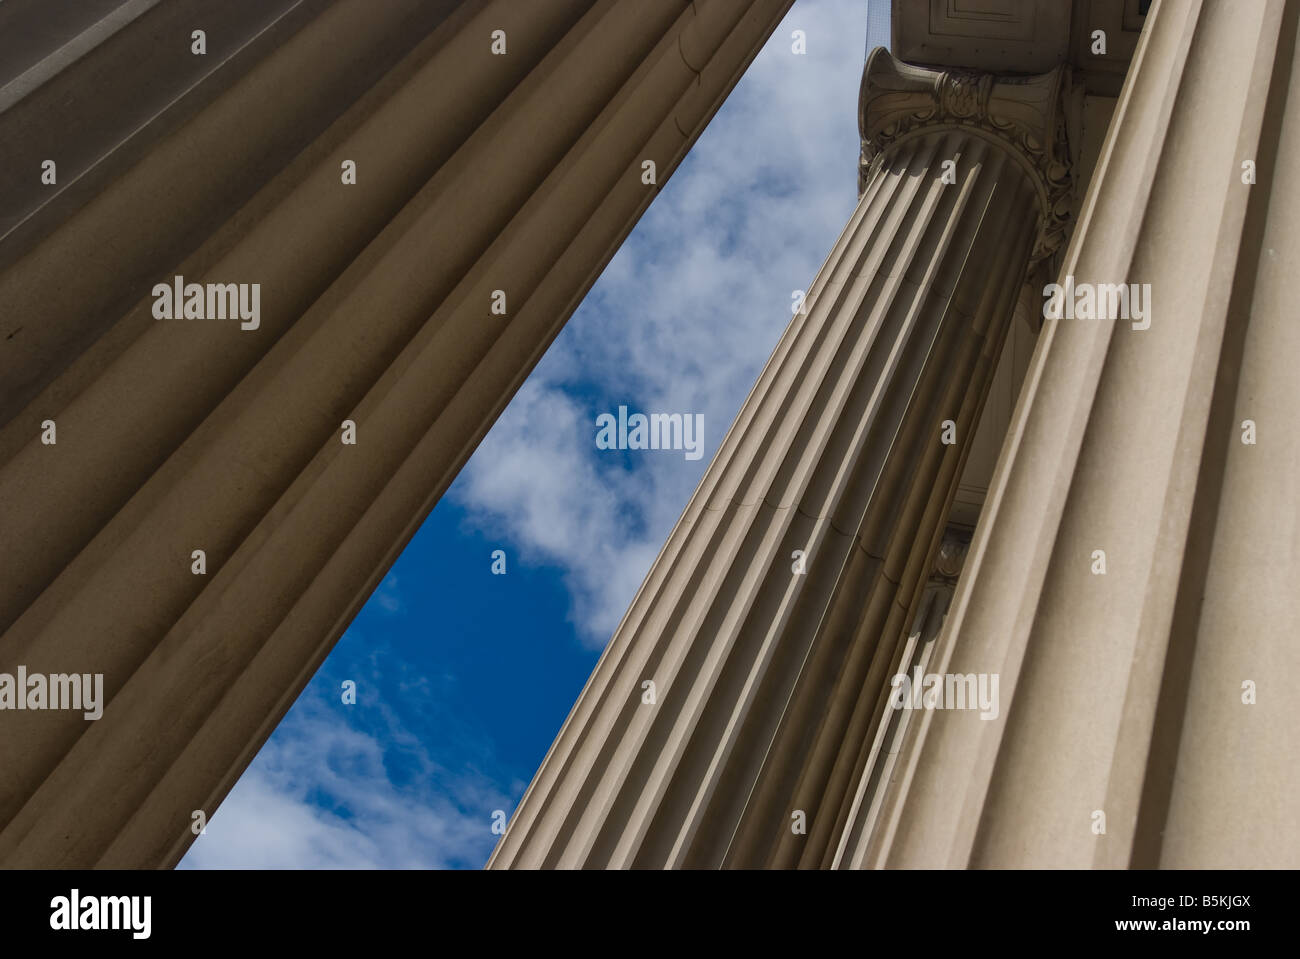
{"x": 898, "y": 100}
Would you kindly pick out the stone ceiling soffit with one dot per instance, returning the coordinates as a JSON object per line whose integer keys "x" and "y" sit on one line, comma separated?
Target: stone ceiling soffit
{"x": 1006, "y": 36}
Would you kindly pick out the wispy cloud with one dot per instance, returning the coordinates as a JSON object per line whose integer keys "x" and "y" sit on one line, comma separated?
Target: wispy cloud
{"x": 388, "y": 597}
{"x": 352, "y": 787}
{"x": 681, "y": 321}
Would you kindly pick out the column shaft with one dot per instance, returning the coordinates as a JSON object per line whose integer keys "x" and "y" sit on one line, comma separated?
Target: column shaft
{"x": 1128, "y": 734}
{"x": 767, "y": 680}
{"x": 475, "y": 173}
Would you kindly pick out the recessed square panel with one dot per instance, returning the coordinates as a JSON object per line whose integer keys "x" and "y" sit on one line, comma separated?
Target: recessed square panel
{"x": 1009, "y": 36}
{"x": 983, "y": 19}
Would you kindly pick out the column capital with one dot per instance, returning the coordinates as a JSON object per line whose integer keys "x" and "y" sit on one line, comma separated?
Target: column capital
{"x": 1022, "y": 114}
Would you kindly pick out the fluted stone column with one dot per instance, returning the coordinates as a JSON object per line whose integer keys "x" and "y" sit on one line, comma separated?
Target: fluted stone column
{"x": 913, "y": 659}
{"x": 779, "y": 606}
{"x": 482, "y": 164}
{"x": 1149, "y": 714}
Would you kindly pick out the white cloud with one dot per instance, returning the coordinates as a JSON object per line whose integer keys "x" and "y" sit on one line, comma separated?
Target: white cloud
{"x": 388, "y": 596}
{"x": 323, "y": 794}
{"x": 682, "y": 320}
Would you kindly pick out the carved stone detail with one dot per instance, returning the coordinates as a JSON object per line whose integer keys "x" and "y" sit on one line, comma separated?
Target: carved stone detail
{"x": 963, "y": 94}
{"x": 1022, "y": 113}
{"x": 952, "y": 553}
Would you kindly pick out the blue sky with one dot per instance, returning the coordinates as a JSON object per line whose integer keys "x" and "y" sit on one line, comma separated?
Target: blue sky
{"x": 464, "y": 677}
